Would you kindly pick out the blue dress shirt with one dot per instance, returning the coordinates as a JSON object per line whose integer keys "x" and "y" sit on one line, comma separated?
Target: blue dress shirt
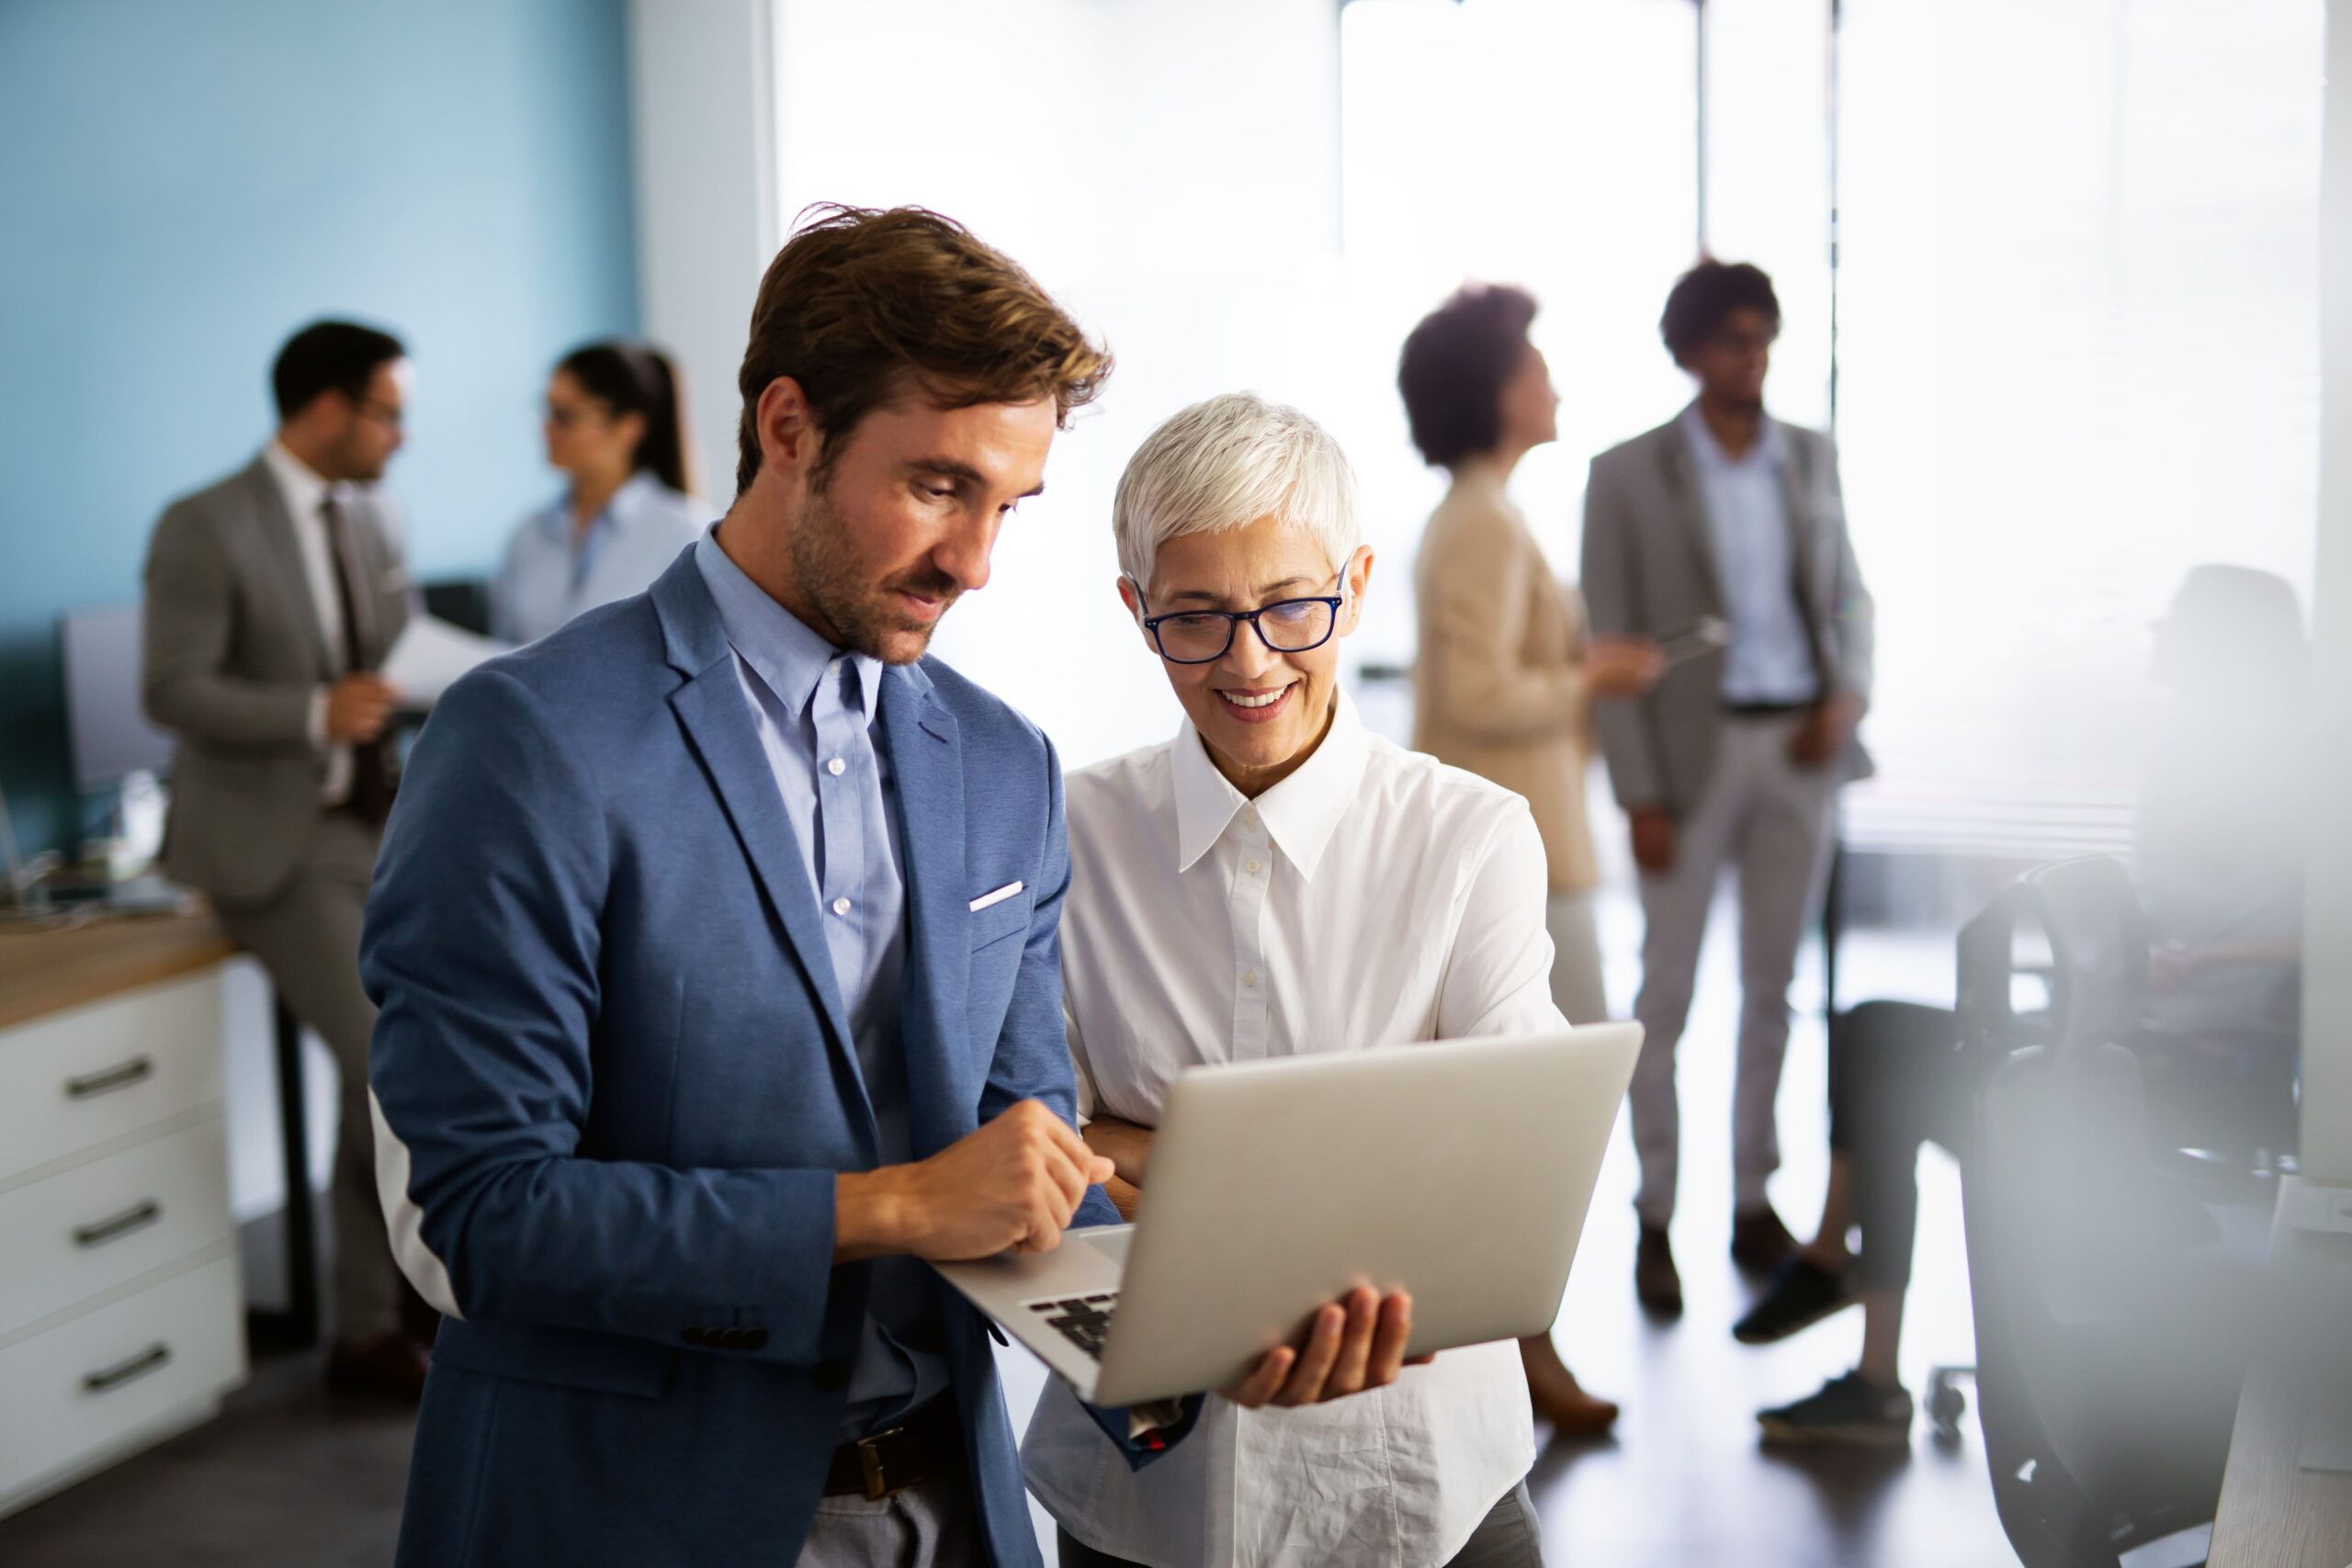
{"x": 816, "y": 709}
{"x": 1770, "y": 658}
{"x": 552, "y": 573}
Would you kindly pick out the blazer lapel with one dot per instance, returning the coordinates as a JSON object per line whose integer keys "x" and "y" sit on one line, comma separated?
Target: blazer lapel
{"x": 285, "y": 552}
{"x": 927, "y": 767}
{"x": 1796, "y": 509}
{"x": 1677, "y": 473}
{"x": 718, "y": 723}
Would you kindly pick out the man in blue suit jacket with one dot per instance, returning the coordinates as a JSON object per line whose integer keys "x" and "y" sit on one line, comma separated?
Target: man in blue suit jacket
{"x": 715, "y": 943}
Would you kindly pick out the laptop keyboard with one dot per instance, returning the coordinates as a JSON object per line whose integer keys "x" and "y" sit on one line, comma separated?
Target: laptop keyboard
{"x": 1084, "y": 1321}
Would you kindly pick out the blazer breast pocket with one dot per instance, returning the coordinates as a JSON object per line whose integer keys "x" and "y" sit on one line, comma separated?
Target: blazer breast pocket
{"x": 996, "y": 921}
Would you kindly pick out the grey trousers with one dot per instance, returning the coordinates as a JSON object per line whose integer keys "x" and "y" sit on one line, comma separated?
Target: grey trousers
{"x": 1577, "y": 989}
{"x": 1509, "y": 1537}
{"x": 1768, "y": 820}
{"x": 928, "y": 1526}
{"x": 308, "y": 941}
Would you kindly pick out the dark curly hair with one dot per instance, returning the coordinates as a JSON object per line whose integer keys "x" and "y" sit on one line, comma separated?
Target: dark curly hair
{"x": 1455, "y": 366}
{"x": 1705, "y": 295}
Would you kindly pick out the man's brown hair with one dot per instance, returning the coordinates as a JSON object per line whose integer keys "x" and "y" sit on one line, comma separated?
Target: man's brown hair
{"x": 861, "y": 302}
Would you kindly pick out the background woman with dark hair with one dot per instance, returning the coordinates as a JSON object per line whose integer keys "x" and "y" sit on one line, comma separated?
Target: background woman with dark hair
{"x": 616, "y": 428}
{"x": 1506, "y": 679}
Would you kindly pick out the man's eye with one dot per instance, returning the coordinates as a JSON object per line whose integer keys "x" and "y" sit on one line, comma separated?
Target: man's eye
{"x": 939, "y": 493}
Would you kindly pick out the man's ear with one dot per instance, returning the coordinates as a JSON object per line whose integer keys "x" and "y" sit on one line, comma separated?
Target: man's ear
{"x": 790, "y": 440}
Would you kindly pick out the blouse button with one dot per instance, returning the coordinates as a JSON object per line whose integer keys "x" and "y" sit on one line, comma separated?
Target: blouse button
{"x": 1249, "y": 977}
{"x": 1253, "y": 866}
{"x": 835, "y": 767}
{"x": 841, "y": 906}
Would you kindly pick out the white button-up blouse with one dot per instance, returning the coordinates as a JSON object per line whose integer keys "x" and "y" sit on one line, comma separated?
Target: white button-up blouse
{"x": 1374, "y": 897}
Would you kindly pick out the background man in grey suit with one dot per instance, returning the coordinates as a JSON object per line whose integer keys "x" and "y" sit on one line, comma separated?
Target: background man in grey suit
{"x": 1721, "y": 535}
{"x": 272, "y": 597}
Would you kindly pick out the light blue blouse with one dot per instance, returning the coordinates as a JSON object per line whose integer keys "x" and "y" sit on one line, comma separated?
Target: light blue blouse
{"x": 548, "y": 578}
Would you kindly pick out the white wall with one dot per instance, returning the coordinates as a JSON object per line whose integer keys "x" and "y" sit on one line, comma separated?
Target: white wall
{"x": 2327, "y": 936}
{"x": 706, "y": 199}
{"x": 1169, "y": 171}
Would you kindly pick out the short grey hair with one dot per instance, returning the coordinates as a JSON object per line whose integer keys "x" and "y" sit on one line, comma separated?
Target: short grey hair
{"x": 1224, "y": 464}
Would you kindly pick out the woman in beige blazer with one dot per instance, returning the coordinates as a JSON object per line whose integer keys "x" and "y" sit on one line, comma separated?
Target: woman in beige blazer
{"x": 1506, "y": 678}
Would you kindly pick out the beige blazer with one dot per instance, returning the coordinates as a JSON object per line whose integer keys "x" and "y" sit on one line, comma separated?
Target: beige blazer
{"x": 1498, "y": 686}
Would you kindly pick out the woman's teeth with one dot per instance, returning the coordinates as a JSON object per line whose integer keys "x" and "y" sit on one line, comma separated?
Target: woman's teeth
{"x": 1241, "y": 701}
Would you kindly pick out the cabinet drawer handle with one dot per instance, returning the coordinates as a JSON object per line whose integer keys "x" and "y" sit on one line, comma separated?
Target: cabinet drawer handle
{"x": 138, "y": 1367}
{"x": 138, "y": 1217}
{"x": 139, "y": 1069}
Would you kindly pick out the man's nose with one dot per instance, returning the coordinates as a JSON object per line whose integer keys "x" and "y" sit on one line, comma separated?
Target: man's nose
{"x": 964, "y": 554}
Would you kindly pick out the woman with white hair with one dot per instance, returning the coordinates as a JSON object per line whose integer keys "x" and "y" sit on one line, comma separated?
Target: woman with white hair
{"x": 1276, "y": 880}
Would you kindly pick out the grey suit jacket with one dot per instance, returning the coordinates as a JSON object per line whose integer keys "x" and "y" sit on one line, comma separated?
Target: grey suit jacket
{"x": 1649, "y": 570}
{"x": 233, "y": 660}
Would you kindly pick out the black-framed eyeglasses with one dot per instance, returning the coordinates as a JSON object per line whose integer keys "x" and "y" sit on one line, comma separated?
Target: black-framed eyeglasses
{"x": 1202, "y": 637}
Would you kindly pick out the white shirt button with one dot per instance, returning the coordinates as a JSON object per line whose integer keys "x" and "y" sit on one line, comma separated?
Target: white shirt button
{"x": 836, "y": 767}
{"x": 1249, "y": 978}
{"x": 1253, "y": 866}
{"x": 1250, "y": 821}
{"x": 841, "y": 906}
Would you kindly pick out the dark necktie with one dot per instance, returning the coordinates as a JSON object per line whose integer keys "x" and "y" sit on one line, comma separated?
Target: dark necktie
{"x": 371, "y": 783}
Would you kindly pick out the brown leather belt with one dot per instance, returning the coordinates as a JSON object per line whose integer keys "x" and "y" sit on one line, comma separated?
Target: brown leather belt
{"x": 928, "y": 1443}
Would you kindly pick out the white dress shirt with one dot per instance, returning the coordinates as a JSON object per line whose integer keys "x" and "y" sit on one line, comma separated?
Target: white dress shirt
{"x": 1374, "y": 897}
{"x": 553, "y": 571}
{"x": 1770, "y": 658}
{"x": 306, "y": 493}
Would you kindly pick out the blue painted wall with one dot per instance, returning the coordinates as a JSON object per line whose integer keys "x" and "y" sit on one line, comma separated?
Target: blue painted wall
{"x": 183, "y": 185}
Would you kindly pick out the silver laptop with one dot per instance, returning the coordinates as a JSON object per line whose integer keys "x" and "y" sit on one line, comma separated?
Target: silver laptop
{"x": 1460, "y": 1172}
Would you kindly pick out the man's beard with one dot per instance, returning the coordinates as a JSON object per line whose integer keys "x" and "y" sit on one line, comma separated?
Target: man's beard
{"x": 824, "y": 563}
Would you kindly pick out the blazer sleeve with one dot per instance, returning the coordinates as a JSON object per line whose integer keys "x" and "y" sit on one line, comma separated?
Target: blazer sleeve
{"x": 1610, "y": 581}
{"x": 480, "y": 951}
{"x": 189, "y": 621}
{"x": 1852, "y": 608}
{"x": 1477, "y": 627}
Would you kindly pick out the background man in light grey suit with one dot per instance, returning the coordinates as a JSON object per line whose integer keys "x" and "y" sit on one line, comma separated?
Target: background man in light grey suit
{"x": 271, "y": 598}
{"x": 1721, "y": 535}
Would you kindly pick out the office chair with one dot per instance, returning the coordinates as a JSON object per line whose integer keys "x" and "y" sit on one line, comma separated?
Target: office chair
{"x": 2110, "y": 1324}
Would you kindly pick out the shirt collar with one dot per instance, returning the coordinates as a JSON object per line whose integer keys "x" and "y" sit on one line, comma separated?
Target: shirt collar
{"x": 778, "y": 646}
{"x": 1709, "y": 452}
{"x": 1301, "y": 813}
{"x": 304, "y": 490}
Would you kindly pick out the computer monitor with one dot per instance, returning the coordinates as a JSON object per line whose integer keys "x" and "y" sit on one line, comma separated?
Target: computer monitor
{"x": 105, "y": 723}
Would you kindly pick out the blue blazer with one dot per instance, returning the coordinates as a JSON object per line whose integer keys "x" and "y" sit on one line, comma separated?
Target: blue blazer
{"x": 614, "y": 1081}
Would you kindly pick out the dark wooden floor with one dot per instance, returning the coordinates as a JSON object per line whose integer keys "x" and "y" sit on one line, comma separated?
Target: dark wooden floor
{"x": 285, "y": 1479}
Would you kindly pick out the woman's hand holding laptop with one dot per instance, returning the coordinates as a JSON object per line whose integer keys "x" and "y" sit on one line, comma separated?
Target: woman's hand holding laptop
{"x": 1349, "y": 1346}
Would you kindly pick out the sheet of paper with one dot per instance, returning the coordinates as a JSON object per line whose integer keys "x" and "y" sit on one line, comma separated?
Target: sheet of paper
{"x": 430, "y": 655}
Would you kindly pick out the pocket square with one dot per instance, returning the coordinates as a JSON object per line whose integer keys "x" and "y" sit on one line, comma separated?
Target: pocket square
{"x": 998, "y": 896}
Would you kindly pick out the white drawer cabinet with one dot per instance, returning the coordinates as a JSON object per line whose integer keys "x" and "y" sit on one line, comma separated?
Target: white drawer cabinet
{"x": 108, "y": 1068}
{"x": 92, "y": 1227}
{"x": 121, "y": 1312}
{"x": 119, "y": 1376}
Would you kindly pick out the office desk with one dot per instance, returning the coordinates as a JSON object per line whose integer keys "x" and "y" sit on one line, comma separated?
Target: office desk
{"x": 47, "y": 972}
{"x": 2273, "y": 1514}
{"x": 119, "y": 1297}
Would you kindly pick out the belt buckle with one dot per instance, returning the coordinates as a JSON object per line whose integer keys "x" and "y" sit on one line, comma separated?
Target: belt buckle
{"x": 869, "y": 1463}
